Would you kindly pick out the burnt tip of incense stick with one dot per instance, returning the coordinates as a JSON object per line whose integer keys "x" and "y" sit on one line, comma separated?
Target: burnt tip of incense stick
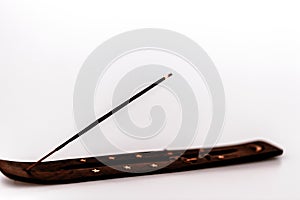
{"x": 168, "y": 75}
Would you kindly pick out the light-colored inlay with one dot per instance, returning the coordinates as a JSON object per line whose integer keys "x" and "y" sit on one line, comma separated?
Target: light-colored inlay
{"x": 127, "y": 167}
{"x": 138, "y": 156}
{"x": 111, "y": 158}
{"x": 96, "y": 170}
{"x": 154, "y": 165}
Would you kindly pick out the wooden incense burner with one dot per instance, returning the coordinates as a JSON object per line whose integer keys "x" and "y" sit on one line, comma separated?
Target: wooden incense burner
{"x": 133, "y": 164}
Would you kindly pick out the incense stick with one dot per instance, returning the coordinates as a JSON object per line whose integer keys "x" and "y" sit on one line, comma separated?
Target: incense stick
{"x": 101, "y": 119}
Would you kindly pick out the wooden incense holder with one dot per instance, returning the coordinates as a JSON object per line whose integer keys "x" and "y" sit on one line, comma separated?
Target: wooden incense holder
{"x": 137, "y": 164}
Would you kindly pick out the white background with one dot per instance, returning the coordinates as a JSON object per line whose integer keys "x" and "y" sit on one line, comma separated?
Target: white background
{"x": 254, "y": 44}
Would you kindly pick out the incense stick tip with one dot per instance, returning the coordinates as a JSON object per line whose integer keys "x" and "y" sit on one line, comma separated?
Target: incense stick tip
{"x": 168, "y": 75}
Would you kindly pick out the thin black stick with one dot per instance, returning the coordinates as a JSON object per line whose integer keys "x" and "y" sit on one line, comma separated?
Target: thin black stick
{"x": 101, "y": 119}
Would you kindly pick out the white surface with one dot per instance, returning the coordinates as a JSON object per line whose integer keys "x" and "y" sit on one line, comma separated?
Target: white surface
{"x": 254, "y": 44}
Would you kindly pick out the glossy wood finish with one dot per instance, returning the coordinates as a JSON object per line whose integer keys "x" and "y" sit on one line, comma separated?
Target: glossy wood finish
{"x": 136, "y": 164}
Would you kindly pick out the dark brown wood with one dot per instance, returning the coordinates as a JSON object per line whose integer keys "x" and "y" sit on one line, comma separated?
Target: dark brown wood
{"x": 127, "y": 165}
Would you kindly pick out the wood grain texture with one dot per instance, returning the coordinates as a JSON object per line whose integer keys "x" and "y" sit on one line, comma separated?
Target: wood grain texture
{"x": 137, "y": 164}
